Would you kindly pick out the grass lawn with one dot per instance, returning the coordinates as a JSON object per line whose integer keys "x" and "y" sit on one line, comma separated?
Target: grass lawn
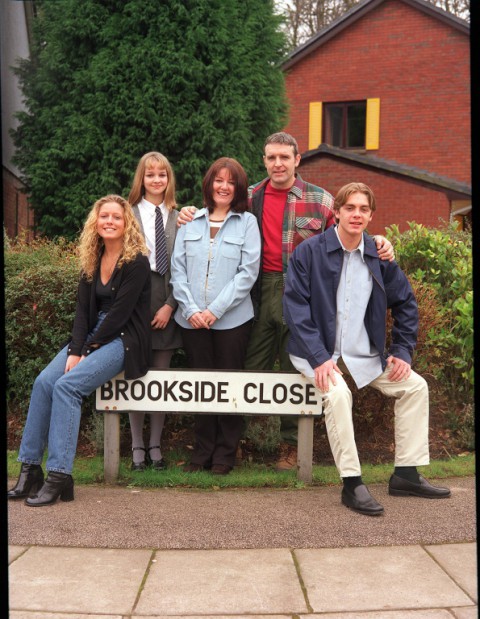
{"x": 249, "y": 475}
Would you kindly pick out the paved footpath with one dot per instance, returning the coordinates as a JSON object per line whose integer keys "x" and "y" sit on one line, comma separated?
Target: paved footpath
{"x": 122, "y": 553}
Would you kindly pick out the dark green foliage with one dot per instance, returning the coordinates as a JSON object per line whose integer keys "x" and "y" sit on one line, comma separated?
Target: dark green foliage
{"x": 111, "y": 80}
{"x": 442, "y": 259}
{"x": 41, "y": 281}
{"x": 40, "y": 289}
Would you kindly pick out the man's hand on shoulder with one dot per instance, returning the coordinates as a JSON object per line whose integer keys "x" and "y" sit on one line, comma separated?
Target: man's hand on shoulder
{"x": 185, "y": 215}
{"x": 384, "y": 248}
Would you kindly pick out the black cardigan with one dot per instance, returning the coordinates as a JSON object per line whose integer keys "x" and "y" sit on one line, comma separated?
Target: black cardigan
{"x": 128, "y": 317}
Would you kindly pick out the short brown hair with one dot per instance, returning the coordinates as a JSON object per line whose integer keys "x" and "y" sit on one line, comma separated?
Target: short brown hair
{"x": 346, "y": 191}
{"x": 282, "y": 138}
{"x": 239, "y": 177}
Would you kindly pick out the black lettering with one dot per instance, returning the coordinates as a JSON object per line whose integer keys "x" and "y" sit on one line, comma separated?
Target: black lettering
{"x": 168, "y": 390}
{"x": 106, "y": 391}
{"x": 263, "y": 400}
{"x": 296, "y": 390}
{"x": 222, "y": 391}
{"x": 310, "y": 399}
{"x": 158, "y": 390}
{"x": 121, "y": 388}
{"x": 184, "y": 389}
{"x": 246, "y": 397}
{"x": 141, "y": 386}
{"x": 204, "y": 397}
{"x": 283, "y": 396}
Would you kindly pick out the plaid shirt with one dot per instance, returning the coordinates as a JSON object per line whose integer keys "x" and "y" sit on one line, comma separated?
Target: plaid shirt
{"x": 308, "y": 211}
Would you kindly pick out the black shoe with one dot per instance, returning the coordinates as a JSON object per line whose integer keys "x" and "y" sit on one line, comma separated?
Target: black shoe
{"x": 29, "y": 482}
{"x": 402, "y": 487}
{"x": 221, "y": 469}
{"x": 360, "y": 500}
{"x": 156, "y": 464}
{"x": 56, "y": 485}
{"x": 159, "y": 465}
{"x": 139, "y": 466}
{"x": 193, "y": 468}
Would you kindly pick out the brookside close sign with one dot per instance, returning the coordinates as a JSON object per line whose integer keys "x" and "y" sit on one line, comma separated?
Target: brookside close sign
{"x": 213, "y": 392}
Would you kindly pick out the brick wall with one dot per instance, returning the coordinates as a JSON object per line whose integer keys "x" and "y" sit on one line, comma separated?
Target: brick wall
{"x": 17, "y": 216}
{"x": 419, "y": 68}
{"x": 398, "y": 201}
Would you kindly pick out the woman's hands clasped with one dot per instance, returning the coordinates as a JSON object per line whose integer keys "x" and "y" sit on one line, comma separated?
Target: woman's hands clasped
{"x": 202, "y": 320}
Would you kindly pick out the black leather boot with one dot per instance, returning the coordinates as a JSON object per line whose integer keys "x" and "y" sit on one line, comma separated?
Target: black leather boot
{"x": 56, "y": 485}
{"x": 29, "y": 482}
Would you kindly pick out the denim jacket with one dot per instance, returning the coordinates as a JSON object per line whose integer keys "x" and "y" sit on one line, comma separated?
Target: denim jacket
{"x": 217, "y": 277}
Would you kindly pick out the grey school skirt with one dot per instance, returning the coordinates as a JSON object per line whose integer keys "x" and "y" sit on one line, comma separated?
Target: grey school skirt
{"x": 170, "y": 337}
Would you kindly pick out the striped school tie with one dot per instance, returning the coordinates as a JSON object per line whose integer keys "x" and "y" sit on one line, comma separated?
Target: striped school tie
{"x": 161, "y": 258}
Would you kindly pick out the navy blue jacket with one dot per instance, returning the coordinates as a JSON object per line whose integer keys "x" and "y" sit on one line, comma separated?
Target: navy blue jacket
{"x": 310, "y": 301}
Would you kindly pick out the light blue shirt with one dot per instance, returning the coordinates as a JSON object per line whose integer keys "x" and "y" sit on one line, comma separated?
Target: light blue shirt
{"x": 217, "y": 276}
{"x": 352, "y": 343}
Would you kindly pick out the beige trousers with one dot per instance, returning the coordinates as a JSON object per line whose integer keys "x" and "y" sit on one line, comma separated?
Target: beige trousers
{"x": 411, "y": 419}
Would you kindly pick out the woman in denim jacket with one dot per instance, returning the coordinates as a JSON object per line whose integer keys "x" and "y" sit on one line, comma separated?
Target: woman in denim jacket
{"x": 214, "y": 266}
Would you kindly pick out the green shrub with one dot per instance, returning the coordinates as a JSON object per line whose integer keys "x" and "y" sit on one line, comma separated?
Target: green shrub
{"x": 442, "y": 259}
{"x": 40, "y": 287}
{"x": 40, "y": 290}
{"x": 20, "y": 255}
{"x": 263, "y": 433}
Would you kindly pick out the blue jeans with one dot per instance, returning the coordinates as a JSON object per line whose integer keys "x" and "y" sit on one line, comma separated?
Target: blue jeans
{"x": 55, "y": 409}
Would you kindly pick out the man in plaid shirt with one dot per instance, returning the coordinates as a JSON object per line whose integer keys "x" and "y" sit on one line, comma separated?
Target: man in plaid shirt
{"x": 289, "y": 210}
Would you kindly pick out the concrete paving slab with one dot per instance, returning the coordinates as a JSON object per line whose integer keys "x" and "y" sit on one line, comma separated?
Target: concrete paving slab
{"x": 436, "y": 613}
{"x": 465, "y": 613}
{"x": 219, "y": 582}
{"x": 80, "y": 580}
{"x": 355, "y": 579}
{"x": 15, "y": 551}
{"x": 25, "y": 614}
{"x": 460, "y": 562}
{"x": 216, "y": 617}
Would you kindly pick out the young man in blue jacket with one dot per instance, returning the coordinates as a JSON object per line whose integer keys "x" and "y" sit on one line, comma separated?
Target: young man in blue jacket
{"x": 335, "y": 304}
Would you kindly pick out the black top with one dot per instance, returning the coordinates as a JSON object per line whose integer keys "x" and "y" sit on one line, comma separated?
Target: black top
{"x": 104, "y": 295}
{"x": 128, "y": 317}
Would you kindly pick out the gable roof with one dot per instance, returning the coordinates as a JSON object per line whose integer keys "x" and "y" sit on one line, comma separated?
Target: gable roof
{"x": 454, "y": 189}
{"x": 360, "y": 10}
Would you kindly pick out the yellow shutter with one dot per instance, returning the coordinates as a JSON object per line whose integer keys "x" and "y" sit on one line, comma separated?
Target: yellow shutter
{"x": 315, "y": 125}
{"x": 372, "y": 132}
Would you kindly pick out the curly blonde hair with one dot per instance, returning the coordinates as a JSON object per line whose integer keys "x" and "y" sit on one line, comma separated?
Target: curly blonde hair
{"x": 148, "y": 160}
{"x": 91, "y": 244}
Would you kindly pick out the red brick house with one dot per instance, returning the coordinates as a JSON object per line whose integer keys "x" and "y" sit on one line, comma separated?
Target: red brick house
{"x": 382, "y": 96}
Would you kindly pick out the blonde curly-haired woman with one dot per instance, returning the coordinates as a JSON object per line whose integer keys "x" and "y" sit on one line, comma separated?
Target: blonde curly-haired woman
{"x": 111, "y": 333}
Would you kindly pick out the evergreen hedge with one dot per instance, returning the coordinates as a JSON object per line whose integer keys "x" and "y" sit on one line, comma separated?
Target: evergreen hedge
{"x": 110, "y": 80}
{"x": 41, "y": 281}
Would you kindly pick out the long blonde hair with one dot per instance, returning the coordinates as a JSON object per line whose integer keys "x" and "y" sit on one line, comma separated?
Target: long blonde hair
{"x": 147, "y": 161}
{"x": 91, "y": 244}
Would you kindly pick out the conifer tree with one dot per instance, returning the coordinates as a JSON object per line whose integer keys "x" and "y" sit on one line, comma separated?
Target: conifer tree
{"x": 109, "y": 80}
